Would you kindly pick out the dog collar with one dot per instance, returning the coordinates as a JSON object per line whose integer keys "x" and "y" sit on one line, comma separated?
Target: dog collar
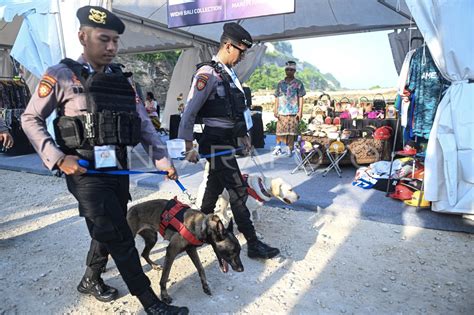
{"x": 263, "y": 188}
{"x": 252, "y": 193}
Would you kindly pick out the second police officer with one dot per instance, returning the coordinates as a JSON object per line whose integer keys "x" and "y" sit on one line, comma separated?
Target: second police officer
{"x": 217, "y": 97}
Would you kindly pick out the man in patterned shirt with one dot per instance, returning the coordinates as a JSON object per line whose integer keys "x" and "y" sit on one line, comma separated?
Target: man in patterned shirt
{"x": 288, "y": 109}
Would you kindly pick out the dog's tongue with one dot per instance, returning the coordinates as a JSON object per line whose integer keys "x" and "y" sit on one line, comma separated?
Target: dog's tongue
{"x": 224, "y": 266}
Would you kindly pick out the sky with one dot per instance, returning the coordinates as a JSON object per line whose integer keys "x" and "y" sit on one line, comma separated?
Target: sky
{"x": 357, "y": 61}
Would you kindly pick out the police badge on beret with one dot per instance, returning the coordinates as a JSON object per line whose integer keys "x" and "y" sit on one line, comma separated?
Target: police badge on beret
{"x": 99, "y": 17}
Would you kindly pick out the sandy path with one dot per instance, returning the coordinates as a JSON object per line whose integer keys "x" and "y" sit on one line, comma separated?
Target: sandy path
{"x": 329, "y": 265}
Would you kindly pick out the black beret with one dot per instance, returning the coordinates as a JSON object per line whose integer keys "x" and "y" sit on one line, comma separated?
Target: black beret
{"x": 237, "y": 33}
{"x": 99, "y": 17}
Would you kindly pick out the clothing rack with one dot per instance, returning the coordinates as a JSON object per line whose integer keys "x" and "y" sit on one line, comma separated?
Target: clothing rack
{"x": 8, "y": 114}
{"x": 14, "y": 92}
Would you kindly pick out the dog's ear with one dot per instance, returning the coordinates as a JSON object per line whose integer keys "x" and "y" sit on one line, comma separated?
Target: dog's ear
{"x": 216, "y": 227}
{"x": 276, "y": 187}
{"x": 221, "y": 231}
{"x": 230, "y": 227}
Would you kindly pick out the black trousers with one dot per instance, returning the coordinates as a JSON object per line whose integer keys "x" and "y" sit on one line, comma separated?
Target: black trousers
{"x": 103, "y": 203}
{"x": 224, "y": 172}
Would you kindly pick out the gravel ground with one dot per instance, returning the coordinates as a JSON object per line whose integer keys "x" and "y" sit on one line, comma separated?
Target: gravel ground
{"x": 328, "y": 265}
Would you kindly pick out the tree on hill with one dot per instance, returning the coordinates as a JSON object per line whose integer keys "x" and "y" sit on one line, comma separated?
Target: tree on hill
{"x": 272, "y": 71}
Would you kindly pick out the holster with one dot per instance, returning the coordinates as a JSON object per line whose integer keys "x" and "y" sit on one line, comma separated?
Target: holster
{"x": 69, "y": 132}
{"x": 239, "y": 130}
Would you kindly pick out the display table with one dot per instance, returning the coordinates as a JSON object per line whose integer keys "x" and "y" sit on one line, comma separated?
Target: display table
{"x": 361, "y": 150}
{"x": 364, "y": 123}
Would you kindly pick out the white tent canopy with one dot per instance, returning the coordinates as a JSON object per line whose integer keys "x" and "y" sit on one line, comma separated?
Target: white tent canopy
{"x": 146, "y": 21}
{"x": 312, "y": 18}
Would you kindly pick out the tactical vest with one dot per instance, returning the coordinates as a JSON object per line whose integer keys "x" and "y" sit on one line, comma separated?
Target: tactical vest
{"x": 111, "y": 117}
{"x": 231, "y": 106}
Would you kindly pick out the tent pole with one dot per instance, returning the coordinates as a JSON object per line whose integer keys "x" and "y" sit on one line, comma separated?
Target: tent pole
{"x": 392, "y": 155}
{"x": 60, "y": 29}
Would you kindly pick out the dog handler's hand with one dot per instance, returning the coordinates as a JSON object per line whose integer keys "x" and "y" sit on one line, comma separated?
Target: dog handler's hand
{"x": 191, "y": 154}
{"x": 69, "y": 166}
{"x": 247, "y": 145}
{"x": 7, "y": 139}
{"x": 172, "y": 174}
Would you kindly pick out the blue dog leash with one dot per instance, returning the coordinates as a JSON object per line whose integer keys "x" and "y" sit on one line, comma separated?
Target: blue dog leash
{"x": 85, "y": 164}
{"x": 211, "y": 155}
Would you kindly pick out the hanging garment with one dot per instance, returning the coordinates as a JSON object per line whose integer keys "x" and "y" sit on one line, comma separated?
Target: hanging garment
{"x": 405, "y": 72}
{"x": 428, "y": 84}
{"x": 14, "y": 94}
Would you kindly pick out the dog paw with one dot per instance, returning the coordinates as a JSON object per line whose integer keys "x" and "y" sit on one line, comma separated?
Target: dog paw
{"x": 166, "y": 298}
{"x": 207, "y": 290}
{"x": 156, "y": 267}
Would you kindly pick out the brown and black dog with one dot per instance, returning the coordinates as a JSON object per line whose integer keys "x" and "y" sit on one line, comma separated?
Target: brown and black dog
{"x": 145, "y": 218}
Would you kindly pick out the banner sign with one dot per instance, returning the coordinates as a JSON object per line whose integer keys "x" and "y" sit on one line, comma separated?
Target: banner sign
{"x": 196, "y": 12}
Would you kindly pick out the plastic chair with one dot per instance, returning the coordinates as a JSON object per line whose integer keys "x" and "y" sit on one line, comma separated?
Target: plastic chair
{"x": 303, "y": 157}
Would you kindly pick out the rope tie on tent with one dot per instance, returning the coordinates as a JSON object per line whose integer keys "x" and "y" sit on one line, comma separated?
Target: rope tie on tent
{"x": 463, "y": 81}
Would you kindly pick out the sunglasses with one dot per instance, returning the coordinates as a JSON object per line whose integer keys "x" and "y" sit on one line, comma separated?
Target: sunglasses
{"x": 241, "y": 51}
{"x": 289, "y": 69}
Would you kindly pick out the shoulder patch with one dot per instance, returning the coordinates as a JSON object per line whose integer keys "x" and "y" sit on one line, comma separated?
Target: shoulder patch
{"x": 201, "y": 81}
{"x": 46, "y": 85}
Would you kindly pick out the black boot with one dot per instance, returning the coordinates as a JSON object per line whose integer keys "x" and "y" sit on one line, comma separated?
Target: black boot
{"x": 98, "y": 289}
{"x": 258, "y": 249}
{"x": 161, "y": 308}
{"x": 153, "y": 305}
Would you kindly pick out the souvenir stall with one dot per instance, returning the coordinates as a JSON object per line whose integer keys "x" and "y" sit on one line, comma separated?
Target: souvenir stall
{"x": 362, "y": 130}
{"x": 420, "y": 89}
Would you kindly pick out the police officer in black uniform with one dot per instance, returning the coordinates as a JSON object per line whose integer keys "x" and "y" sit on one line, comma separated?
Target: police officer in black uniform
{"x": 100, "y": 115}
{"x": 217, "y": 96}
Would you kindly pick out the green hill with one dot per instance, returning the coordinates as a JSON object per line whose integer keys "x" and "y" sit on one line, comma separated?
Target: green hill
{"x": 272, "y": 70}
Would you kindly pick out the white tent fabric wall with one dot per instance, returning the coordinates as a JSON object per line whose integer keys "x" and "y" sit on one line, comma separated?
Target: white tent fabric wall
{"x": 186, "y": 66}
{"x": 181, "y": 78}
{"x": 36, "y": 46}
{"x": 448, "y": 28}
{"x": 252, "y": 60}
{"x": 40, "y": 41}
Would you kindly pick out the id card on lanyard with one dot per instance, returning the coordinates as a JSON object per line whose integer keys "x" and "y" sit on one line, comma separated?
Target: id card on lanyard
{"x": 247, "y": 115}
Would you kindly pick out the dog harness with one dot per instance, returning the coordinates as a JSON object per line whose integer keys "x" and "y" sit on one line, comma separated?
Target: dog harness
{"x": 252, "y": 193}
{"x": 174, "y": 216}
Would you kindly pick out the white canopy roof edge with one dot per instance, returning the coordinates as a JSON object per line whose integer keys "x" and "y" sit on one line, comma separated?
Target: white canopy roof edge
{"x": 312, "y": 18}
{"x": 158, "y": 36}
